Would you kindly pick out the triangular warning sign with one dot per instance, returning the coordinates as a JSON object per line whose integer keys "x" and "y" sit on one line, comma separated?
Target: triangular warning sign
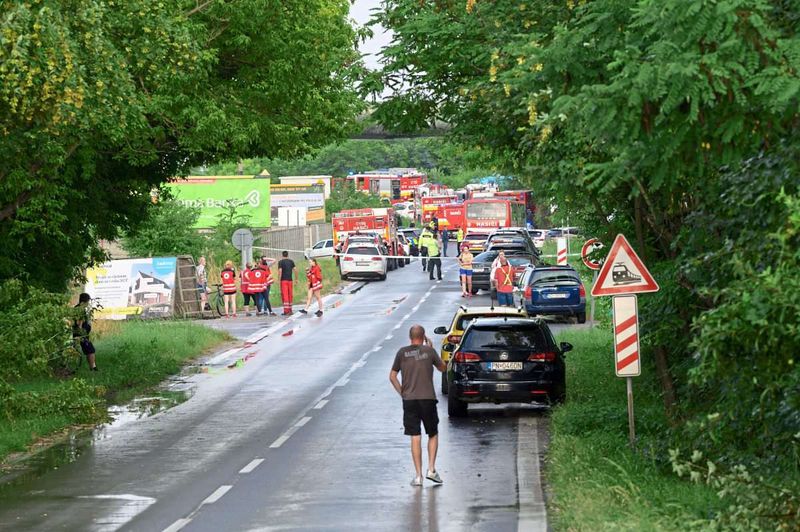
{"x": 623, "y": 272}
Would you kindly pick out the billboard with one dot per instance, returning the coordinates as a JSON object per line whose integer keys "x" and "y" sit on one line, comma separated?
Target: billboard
{"x": 214, "y": 195}
{"x": 133, "y": 287}
{"x": 310, "y": 197}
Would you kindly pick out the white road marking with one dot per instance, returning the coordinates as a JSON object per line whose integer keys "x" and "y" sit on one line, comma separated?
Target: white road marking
{"x": 251, "y": 466}
{"x": 222, "y": 356}
{"x": 377, "y": 348}
{"x": 399, "y": 324}
{"x": 217, "y": 495}
{"x": 407, "y": 316}
{"x": 120, "y": 497}
{"x": 532, "y": 515}
{"x": 416, "y": 308}
{"x": 302, "y": 421}
{"x": 177, "y": 525}
{"x": 389, "y": 336}
{"x": 321, "y": 404}
{"x": 284, "y": 437}
{"x": 341, "y": 382}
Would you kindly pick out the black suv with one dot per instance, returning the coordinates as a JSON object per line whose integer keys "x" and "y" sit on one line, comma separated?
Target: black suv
{"x": 506, "y": 360}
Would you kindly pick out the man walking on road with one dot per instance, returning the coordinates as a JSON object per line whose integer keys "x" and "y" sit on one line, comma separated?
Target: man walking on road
{"x": 445, "y": 239}
{"x": 416, "y": 362}
{"x": 434, "y": 257}
{"x": 288, "y": 278}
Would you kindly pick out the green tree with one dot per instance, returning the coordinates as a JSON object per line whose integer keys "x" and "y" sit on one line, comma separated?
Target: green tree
{"x": 101, "y": 100}
{"x": 168, "y": 230}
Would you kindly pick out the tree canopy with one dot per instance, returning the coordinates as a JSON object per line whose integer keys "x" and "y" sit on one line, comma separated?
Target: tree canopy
{"x": 102, "y": 100}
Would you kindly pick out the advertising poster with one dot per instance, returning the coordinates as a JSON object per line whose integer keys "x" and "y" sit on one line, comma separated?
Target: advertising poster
{"x": 310, "y": 197}
{"x": 133, "y": 288}
{"x": 214, "y": 195}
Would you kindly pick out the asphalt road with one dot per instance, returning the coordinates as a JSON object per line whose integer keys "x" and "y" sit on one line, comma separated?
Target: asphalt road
{"x": 305, "y": 433}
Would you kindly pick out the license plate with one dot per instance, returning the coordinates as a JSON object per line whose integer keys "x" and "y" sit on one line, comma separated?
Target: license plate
{"x": 559, "y": 295}
{"x": 502, "y": 387}
{"x": 362, "y": 263}
{"x": 474, "y": 269}
{"x": 505, "y": 366}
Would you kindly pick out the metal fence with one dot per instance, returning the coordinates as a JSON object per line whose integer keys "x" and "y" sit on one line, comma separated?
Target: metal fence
{"x": 293, "y": 239}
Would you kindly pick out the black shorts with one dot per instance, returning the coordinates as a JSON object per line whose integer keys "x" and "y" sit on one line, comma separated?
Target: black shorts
{"x": 248, "y": 297}
{"x": 424, "y": 410}
{"x": 87, "y": 347}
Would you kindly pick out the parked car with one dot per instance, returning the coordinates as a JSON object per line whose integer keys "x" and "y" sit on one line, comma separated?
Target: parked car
{"x": 323, "y": 248}
{"x": 405, "y": 209}
{"x": 506, "y": 360}
{"x": 519, "y": 258}
{"x": 364, "y": 260}
{"x": 538, "y": 236}
{"x": 553, "y": 291}
{"x": 463, "y": 317}
{"x": 510, "y": 234}
{"x": 475, "y": 241}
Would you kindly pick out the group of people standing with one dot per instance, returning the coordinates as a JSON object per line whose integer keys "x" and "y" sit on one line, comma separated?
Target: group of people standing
{"x": 255, "y": 282}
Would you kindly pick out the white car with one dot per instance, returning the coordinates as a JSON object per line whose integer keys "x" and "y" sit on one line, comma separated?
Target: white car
{"x": 538, "y": 236}
{"x": 363, "y": 260}
{"x": 405, "y": 209}
{"x": 323, "y": 248}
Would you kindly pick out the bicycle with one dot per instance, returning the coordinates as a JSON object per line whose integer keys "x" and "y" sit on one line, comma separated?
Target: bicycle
{"x": 217, "y": 301}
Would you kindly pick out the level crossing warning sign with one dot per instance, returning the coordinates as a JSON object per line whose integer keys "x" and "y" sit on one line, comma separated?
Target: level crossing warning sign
{"x": 623, "y": 272}
{"x": 626, "y": 336}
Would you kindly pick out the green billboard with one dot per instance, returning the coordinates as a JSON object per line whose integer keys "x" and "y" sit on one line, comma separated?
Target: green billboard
{"x": 214, "y": 195}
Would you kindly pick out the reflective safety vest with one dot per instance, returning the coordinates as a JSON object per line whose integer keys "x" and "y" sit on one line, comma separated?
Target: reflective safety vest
{"x": 244, "y": 281}
{"x": 257, "y": 279}
{"x": 228, "y": 281}
{"x": 460, "y": 234}
{"x": 505, "y": 278}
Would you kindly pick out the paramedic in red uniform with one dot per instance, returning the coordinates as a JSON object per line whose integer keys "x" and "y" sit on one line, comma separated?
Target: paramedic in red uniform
{"x": 314, "y": 276}
{"x": 504, "y": 278}
{"x": 229, "y": 288}
{"x": 257, "y": 286}
{"x": 288, "y": 278}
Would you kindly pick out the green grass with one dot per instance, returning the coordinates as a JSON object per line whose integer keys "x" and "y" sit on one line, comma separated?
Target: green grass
{"x": 596, "y": 481}
{"x": 133, "y": 357}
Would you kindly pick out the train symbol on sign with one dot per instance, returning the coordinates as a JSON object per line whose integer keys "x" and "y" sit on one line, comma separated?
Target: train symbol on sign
{"x": 620, "y": 274}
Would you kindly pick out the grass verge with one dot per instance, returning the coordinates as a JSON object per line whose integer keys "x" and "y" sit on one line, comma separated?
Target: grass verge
{"x": 596, "y": 481}
{"x": 133, "y": 356}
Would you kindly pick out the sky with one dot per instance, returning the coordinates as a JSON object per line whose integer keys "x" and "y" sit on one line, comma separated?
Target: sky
{"x": 360, "y": 12}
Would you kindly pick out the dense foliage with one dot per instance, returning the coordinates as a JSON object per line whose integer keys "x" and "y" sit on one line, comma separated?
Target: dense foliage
{"x": 641, "y": 117}
{"x": 445, "y": 161}
{"x": 102, "y": 100}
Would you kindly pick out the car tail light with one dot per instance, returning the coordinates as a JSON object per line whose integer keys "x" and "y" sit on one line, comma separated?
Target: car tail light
{"x": 348, "y": 258}
{"x": 528, "y": 292}
{"x": 464, "y": 356}
{"x": 376, "y": 258}
{"x": 545, "y": 356}
{"x": 453, "y": 338}
{"x": 582, "y": 291}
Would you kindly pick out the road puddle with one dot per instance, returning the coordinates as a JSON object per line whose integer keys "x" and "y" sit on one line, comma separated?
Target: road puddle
{"x": 56, "y": 452}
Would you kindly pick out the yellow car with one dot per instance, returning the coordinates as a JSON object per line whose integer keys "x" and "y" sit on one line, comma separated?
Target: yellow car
{"x": 463, "y": 316}
{"x": 476, "y": 241}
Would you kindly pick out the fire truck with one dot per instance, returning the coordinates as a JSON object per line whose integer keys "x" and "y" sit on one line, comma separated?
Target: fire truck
{"x": 523, "y": 196}
{"x": 451, "y": 216}
{"x": 370, "y": 221}
{"x": 394, "y": 184}
{"x": 430, "y": 204}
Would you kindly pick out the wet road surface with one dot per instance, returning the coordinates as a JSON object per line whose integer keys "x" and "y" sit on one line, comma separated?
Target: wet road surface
{"x": 304, "y": 434}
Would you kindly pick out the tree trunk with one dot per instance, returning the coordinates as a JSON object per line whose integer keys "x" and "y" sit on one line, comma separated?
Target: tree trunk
{"x": 667, "y": 386}
{"x": 637, "y": 220}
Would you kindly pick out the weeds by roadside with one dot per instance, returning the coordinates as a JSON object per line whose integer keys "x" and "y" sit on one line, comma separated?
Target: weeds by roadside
{"x": 596, "y": 481}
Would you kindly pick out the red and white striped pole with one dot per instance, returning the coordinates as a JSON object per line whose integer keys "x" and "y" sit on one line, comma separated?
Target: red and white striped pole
{"x": 561, "y": 253}
{"x": 627, "y": 361}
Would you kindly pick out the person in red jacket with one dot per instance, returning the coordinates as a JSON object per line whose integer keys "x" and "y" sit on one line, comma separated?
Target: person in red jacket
{"x": 246, "y": 285}
{"x": 228, "y": 276}
{"x": 314, "y": 276}
{"x": 264, "y": 305}
{"x": 504, "y": 279}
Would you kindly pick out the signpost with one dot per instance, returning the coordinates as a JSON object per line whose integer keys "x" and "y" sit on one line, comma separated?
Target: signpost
{"x": 242, "y": 239}
{"x": 593, "y": 264}
{"x": 561, "y": 254}
{"x": 623, "y": 275}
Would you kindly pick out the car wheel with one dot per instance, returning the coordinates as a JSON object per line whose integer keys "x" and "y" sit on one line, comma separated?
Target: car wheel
{"x": 474, "y": 291}
{"x": 382, "y": 277}
{"x": 456, "y": 407}
{"x": 582, "y": 317}
{"x": 401, "y": 263}
{"x": 444, "y": 383}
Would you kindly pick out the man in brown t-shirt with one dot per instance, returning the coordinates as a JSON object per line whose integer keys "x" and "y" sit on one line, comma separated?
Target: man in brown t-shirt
{"x": 416, "y": 363}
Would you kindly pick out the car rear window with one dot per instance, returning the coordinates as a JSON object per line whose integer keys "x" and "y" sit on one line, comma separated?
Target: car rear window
{"x": 553, "y": 276}
{"x": 363, "y": 251}
{"x": 511, "y": 337}
{"x": 519, "y": 261}
{"x": 486, "y": 256}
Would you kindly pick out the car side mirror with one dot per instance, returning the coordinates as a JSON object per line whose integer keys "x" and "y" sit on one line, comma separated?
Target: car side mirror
{"x": 440, "y": 330}
{"x": 449, "y": 348}
{"x": 566, "y": 346}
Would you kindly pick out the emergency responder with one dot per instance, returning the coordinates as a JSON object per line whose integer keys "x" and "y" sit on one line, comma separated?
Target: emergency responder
{"x": 445, "y": 239}
{"x": 460, "y": 238}
{"x": 504, "y": 279}
{"x": 424, "y": 237}
{"x": 228, "y": 276}
{"x": 434, "y": 257}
